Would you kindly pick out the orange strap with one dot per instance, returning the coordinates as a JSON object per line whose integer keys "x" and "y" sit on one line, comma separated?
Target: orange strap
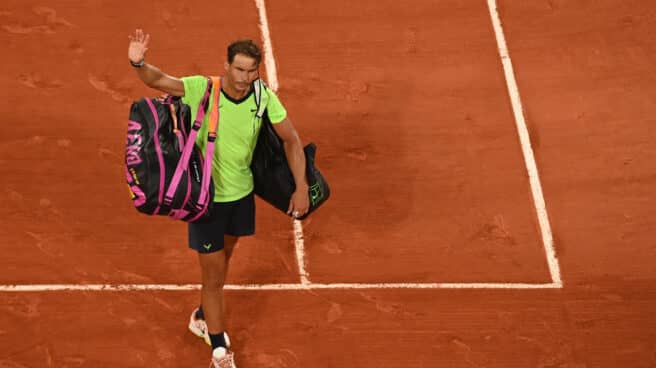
{"x": 214, "y": 114}
{"x": 175, "y": 119}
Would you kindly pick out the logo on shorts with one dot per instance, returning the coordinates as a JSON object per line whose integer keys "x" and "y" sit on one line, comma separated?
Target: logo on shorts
{"x": 207, "y": 246}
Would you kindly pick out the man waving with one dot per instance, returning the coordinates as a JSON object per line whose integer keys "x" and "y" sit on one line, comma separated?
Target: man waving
{"x": 233, "y": 214}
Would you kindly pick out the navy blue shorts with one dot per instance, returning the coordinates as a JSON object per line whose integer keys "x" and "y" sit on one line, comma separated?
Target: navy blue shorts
{"x": 235, "y": 218}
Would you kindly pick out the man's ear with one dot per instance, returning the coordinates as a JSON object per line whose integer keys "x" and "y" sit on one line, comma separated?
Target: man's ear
{"x": 226, "y": 65}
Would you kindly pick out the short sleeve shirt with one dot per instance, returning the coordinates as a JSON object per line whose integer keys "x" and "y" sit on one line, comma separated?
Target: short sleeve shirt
{"x": 237, "y": 134}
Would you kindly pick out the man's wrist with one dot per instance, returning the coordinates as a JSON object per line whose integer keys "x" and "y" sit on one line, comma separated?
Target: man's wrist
{"x": 138, "y": 64}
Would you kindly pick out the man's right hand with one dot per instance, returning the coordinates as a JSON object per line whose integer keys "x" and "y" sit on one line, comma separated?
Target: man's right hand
{"x": 138, "y": 46}
{"x": 148, "y": 73}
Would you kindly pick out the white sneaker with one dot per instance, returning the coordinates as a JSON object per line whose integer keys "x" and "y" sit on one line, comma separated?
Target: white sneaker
{"x": 222, "y": 358}
{"x": 198, "y": 327}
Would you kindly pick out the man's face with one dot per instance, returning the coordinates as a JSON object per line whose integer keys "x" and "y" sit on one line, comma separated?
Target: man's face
{"x": 241, "y": 72}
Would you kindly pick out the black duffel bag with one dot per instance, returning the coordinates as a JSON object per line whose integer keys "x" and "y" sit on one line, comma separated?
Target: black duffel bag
{"x": 274, "y": 181}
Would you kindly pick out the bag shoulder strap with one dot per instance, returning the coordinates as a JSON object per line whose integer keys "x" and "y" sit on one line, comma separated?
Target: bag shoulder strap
{"x": 203, "y": 200}
{"x": 214, "y": 114}
{"x": 183, "y": 163}
{"x": 202, "y": 108}
{"x": 261, "y": 96}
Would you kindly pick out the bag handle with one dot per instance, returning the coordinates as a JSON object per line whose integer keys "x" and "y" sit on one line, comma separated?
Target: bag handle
{"x": 257, "y": 87}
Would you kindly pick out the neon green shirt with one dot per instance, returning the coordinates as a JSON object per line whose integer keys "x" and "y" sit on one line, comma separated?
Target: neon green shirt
{"x": 236, "y": 136}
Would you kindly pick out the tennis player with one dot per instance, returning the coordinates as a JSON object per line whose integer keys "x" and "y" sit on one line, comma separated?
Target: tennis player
{"x": 233, "y": 213}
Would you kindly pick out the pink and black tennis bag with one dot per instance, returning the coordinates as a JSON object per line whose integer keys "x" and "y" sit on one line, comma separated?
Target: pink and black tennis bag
{"x": 165, "y": 170}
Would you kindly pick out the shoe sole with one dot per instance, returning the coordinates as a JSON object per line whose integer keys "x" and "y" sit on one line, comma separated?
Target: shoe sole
{"x": 199, "y": 333}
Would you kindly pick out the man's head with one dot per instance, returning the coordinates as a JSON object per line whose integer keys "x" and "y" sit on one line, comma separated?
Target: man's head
{"x": 244, "y": 58}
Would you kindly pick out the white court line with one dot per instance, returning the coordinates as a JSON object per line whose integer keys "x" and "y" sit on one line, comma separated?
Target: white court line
{"x": 278, "y": 287}
{"x": 272, "y": 79}
{"x": 300, "y": 252}
{"x": 298, "y": 234}
{"x": 529, "y": 159}
{"x": 269, "y": 61}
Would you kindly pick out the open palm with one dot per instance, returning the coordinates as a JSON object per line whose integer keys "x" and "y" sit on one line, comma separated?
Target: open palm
{"x": 138, "y": 46}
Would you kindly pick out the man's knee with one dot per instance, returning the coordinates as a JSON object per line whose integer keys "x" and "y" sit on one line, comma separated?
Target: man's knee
{"x": 213, "y": 270}
{"x": 229, "y": 244}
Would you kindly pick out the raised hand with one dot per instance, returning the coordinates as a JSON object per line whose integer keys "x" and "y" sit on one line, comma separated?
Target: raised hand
{"x": 138, "y": 46}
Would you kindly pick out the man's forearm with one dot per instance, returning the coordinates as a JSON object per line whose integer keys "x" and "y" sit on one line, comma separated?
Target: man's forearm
{"x": 149, "y": 74}
{"x": 296, "y": 160}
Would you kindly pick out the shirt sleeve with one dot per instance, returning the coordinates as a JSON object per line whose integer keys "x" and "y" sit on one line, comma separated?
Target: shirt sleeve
{"x": 275, "y": 109}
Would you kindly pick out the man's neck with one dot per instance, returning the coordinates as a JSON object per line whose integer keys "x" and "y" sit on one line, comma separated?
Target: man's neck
{"x": 233, "y": 93}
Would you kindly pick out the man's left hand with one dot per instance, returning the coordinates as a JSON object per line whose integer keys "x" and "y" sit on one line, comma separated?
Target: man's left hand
{"x": 299, "y": 204}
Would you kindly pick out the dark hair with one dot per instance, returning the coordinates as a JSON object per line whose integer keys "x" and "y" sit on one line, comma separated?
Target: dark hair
{"x": 245, "y": 47}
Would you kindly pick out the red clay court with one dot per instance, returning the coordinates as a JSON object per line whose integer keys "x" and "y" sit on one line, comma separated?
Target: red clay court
{"x": 492, "y": 167}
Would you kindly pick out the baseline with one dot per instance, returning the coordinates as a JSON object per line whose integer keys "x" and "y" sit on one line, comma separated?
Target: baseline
{"x": 275, "y": 287}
